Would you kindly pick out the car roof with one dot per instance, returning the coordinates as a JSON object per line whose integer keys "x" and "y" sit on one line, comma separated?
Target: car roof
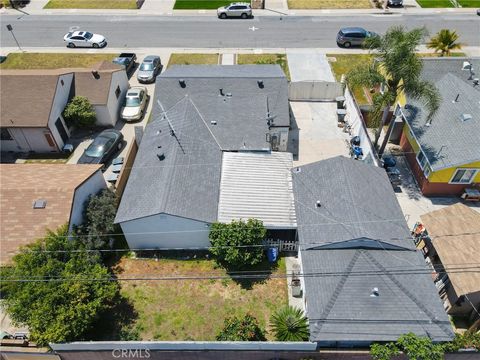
{"x": 240, "y": 3}
{"x": 352, "y": 30}
{"x": 134, "y": 91}
{"x": 150, "y": 58}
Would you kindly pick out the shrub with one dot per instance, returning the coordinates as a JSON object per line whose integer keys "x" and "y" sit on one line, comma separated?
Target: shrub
{"x": 290, "y": 324}
{"x": 244, "y": 329}
{"x": 79, "y": 112}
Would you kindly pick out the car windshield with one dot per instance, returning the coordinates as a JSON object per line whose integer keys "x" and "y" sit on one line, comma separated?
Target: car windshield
{"x": 88, "y": 35}
{"x": 146, "y": 67}
{"x": 132, "y": 101}
{"x": 98, "y": 147}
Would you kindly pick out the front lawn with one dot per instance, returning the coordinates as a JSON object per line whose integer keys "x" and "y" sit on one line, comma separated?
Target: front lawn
{"x": 329, "y": 4}
{"x": 448, "y": 3}
{"x": 280, "y": 59}
{"x": 91, "y": 4}
{"x": 194, "y": 309}
{"x": 193, "y": 59}
{"x": 199, "y": 4}
{"x": 52, "y": 60}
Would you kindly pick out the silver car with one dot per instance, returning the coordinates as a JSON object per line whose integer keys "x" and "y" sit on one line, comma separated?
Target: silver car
{"x": 353, "y": 36}
{"x": 239, "y": 9}
{"x": 135, "y": 103}
{"x": 149, "y": 69}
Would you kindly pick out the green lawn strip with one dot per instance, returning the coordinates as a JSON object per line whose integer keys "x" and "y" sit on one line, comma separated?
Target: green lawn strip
{"x": 91, "y": 4}
{"x": 453, "y": 54}
{"x": 52, "y": 60}
{"x": 329, "y": 4}
{"x": 199, "y": 4}
{"x": 469, "y": 3}
{"x": 343, "y": 64}
{"x": 193, "y": 59}
{"x": 280, "y": 59}
{"x": 195, "y": 309}
{"x": 435, "y": 3}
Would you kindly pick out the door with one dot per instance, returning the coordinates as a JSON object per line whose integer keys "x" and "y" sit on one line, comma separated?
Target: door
{"x": 61, "y": 130}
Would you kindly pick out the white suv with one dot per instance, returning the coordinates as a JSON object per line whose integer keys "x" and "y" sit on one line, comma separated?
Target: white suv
{"x": 243, "y": 10}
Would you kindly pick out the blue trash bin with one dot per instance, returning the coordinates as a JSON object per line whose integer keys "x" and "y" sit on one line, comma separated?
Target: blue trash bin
{"x": 272, "y": 254}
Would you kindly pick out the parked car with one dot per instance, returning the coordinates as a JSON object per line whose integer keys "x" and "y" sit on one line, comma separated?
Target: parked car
{"x": 84, "y": 39}
{"x": 395, "y": 2}
{"x": 238, "y": 9}
{"x": 135, "y": 103}
{"x": 353, "y": 36}
{"x": 127, "y": 60}
{"x": 149, "y": 69}
{"x": 105, "y": 145}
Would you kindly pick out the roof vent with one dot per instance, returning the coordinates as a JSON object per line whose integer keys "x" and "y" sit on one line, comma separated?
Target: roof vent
{"x": 39, "y": 204}
{"x": 296, "y": 170}
{"x": 318, "y": 204}
{"x": 221, "y": 92}
{"x": 213, "y": 122}
{"x": 375, "y": 292}
{"x": 467, "y": 65}
{"x": 466, "y": 117}
{"x": 260, "y": 84}
{"x": 228, "y": 95}
{"x": 456, "y": 99}
{"x": 161, "y": 156}
{"x": 95, "y": 74}
{"x": 182, "y": 83}
{"x": 476, "y": 81}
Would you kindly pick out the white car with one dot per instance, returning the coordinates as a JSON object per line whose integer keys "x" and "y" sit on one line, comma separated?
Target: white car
{"x": 135, "y": 103}
{"x": 84, "y": 39}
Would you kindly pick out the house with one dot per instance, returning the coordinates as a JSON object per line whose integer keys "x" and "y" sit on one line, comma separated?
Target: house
{"x": 33, "y": 102}
{"x": 182, "y": 181}
{"x": 444, "y": 151}
{"x": 245, "y": 106}
{"x": 363, "y": 281}
{"x": 37, "y": 197}
{"x": 450, "y": 241}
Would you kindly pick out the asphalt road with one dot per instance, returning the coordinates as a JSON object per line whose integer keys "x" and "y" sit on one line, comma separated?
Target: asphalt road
{"x": 210, "y": 32}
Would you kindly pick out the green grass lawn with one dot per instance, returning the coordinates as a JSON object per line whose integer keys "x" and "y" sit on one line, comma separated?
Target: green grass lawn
{"x": 280, "y": 59}
{"x": 448, "y": 3}
{"x": 329, "y": 4}
{"x": 193, "y": 59}
{"x": 91, "y": 4}
{"x": 194, "y": 309}
{"x": 52, "y": 60}
{"x": 199, "y": 4}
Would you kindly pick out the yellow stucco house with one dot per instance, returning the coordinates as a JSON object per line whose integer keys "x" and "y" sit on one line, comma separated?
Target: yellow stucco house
{"x": 444, "y": 153}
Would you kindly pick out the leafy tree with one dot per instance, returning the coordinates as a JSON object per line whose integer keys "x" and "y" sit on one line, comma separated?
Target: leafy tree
{"x": 79, "y": 112}
{"x": 236, "y": 244}
{"x": 397, "y": 70}
{"x": 99, "y": 214}
{"x": 444, "y": 42}
{"x": 54, "y": 310}
{"x": 413, "y": 346}
{"x": 469, "y": 339}
{"x": 241, "y": 329}
{"x": 290, "y": 324}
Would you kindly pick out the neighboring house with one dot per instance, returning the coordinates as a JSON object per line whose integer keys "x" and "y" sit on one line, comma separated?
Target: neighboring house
{"x": 450, "y": 241}
{"x": 37, "y": 197}
{"x": 368, "y": 283}
{"x": 182, "y": 181}
{"x": 33, "y": 102}
{"x": 245, "y": 106}
{"x": 444, "y": 153}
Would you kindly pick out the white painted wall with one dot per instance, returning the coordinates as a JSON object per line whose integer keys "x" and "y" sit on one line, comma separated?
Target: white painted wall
{"x": 27, "y": 139}
{"x": 165, "y": 231}
{"x": 103, "y": 116}
{"x": 59, "y": 103}
{"x": 119, "y": 78}
{"x": 92, "y": 185}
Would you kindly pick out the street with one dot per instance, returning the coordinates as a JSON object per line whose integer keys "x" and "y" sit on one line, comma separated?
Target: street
{"x": 209, "y": 32}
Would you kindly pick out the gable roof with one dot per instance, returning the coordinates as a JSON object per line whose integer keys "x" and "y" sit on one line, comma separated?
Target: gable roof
{"x": 20, "y": 223}
{"x": 341, "y": 306}
{"x": 186, "y": 181}
{"x": 231, "y": 97}
{"x": 448, "y": 141}
{"x": 455, "y": 234}
{"x": 351, "y": 208}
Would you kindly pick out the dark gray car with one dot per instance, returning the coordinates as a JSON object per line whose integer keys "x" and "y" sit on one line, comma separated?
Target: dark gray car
{"x": 107, "y": 143}
{"x": 353, "y": 36}
{"x": 149, "y": 69}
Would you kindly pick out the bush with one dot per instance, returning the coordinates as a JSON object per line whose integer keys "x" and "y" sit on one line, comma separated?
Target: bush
{"x": 290, "y": 324}
{"x": 238, "y": 244}
{"x": 245, "y": 329}
{"x": 79, "y": 112}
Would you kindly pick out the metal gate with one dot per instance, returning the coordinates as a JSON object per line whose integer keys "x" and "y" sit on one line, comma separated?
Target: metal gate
{"x": 314, "y": 90}
{"x": 282, "y": 245}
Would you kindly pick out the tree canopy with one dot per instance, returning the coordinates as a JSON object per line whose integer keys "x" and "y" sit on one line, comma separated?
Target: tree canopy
{"x": 413, "y": 346}
{"x": 241, "y": 329}
{"x": 53, "y": 294}
{"x": 79, "y": 112}
{"x": 238, "y": 244}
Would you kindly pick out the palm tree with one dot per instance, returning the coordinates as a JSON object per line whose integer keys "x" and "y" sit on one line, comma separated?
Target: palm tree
{"x": 444, "y": 41}
{"x": 289, "y": 324}
{"x": 396, "y": 70}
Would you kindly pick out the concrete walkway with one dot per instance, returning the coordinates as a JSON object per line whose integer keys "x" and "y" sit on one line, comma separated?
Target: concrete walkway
{"x": 309, "y": 65}
{"x": 292, "y": 264}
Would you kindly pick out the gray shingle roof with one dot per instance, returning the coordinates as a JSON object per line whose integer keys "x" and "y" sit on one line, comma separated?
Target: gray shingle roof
{"x": 448, "y": 141}
{"x": 240, "y": 118}
{"x": 186, "y": 182}
{"x": 341, "y": 308}
{"x": 357, "y": 203}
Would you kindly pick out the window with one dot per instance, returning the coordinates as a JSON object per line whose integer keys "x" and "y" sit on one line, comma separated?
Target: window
{"x": 5, "y": 134}
{"x": 463, "y": 176}
{"x": 62, "y": 82}
{"x": 118, "y": 92}
{"x": 422, "y": 159}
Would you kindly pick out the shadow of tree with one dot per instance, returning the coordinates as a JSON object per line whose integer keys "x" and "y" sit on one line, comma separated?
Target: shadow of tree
{"x": 254, "y": 275}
